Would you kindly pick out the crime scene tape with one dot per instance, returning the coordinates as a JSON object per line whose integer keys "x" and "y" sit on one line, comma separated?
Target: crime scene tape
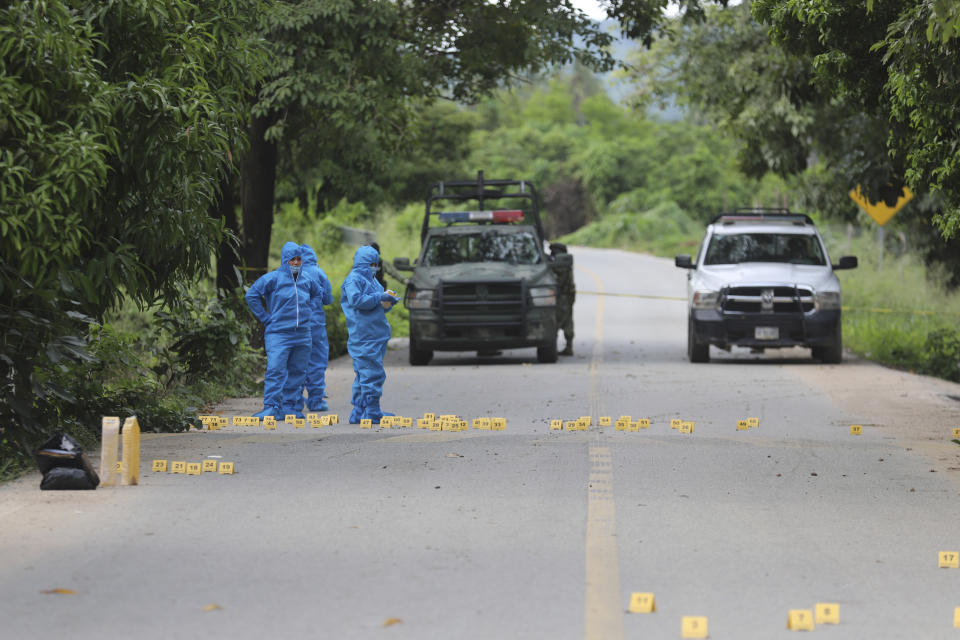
{"x": 923, "y": 312}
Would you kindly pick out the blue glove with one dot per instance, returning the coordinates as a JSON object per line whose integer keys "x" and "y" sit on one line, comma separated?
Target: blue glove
{"x": 386, "y": 297}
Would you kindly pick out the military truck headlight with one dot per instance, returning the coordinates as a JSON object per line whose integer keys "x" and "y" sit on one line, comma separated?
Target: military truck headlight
{"x": 543, "y": 296}
{"x": 420, "y": 299}
{"x": 705, "y": 299}
{"x": 827, "y": 300}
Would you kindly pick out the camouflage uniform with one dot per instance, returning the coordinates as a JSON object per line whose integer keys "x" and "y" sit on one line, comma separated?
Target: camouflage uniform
{"x": 566, "y": 294}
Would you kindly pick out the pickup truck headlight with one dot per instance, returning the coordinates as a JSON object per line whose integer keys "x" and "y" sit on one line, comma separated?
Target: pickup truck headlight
{"x": 420, "y": 299}
{"x": 827, "y": 300}
{"x": 543, "y": 296}
{"x": 706, "y": 299}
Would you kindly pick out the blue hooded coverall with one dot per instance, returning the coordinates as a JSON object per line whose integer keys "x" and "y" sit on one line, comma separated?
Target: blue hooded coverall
{"x": 287, "y": 338}
{"x": 320, "y": 349}
{"x": 368, "y": 332}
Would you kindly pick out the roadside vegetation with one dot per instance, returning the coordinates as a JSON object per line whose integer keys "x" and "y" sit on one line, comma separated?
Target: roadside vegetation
{"x": 108, "y": 144}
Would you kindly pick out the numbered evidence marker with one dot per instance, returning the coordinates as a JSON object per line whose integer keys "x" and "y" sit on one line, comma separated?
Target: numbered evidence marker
{"x": 800, "y": 620}
{"x": 693, "y": 627}
{"x": 160, "y": 466}
{"x": 642, "y": 603}
{"x": 270, "y": 423}
{"x": 686, "y": 427}
{"x": 209, "y": 466}
{"x": 856, "y": 429}
{"x": 622, "y": 425}
{"x": 178, "y": 467}
{"x": 742, "y": 425}
{"x": 956, "y": 618}
{"x": 237, "y": 421}
{"x": 605, "y": 421}
{"x": 194, "y": 468}
{"x": 949, "y": 560}
{"x": 675, "y": 423}
{"x": 556, "y": 425}
{"x": 226, "y": 468}
{"x": 366, "y": 423}
{"x": 289, "y": 418}
{"x": 826, "y": 613}
{"x": 956, "y": 432}
{"x": 299, "y": 423}
{"x": 753, "y": 423}
{"x": 643, "y": 423}
{"x": 498, "y": 424}
{"x": 571, "y": 425}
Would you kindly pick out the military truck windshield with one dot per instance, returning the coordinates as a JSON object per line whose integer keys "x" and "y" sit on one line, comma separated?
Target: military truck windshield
{"x": 764, "y": 247}
{"x": 487, "y": 246}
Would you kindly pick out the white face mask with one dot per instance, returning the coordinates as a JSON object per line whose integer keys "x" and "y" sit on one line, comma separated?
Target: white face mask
{"x": 373, "y": 270}
{"x": 295, "y": 271}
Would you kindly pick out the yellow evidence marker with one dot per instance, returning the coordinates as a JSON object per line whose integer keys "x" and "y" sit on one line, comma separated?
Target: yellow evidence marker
{"x": 826, "y": 613}
{"x": 605, "y": 421}
{"x": 956, "y": 618}
{"x": 209, "y": 466}
{"x": 222, "y": 422}
{"x": 289, "y": 418}
{"x": 633, "y": 426}
{"x": 194, "y": 468}
{"x": 207, "y": 419}
{"x": 556, "y": 425}
{"x": 949, "y": 560}
{"x": 587, "y": 419}
{"x": 270, "y": 423}
{"x": 299, "y": 423}
{"x": 178, "y": 467}
{"x": 334, "y": 418}
{"x": 956, "y": 432}
{"x": 213, "y": 425}
{"x": 429, "y": 417}
{"x": 498, "y": 424}
{"x": 423, "y": 423}
{"x": 160, "y": 466}
{"x": 694, "y": 627}
{"x": 642, "y": 603}
{"x": 435, "y": 425}
{"x": 800, "y": 620}
{"x": 753, "y": 423}
{"x": 675, "y": 423}
{"x": 570, "y": 425}
{"x": 313, "y": 417}
{"x": 366, "y": 423}
{"x": 237, "y": 421}
{"x": 622, "y": 425}
{"x": 226, "y": 468}
{"x": 686, "y": 427}
{"x": 643, "y": 423}
{"x": 743, "y": 425}
{"x": 856, "y": 429}
{"x": 408, "y": 423}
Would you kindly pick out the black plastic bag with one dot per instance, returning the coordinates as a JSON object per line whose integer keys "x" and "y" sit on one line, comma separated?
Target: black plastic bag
{"x": 64, "y": 465}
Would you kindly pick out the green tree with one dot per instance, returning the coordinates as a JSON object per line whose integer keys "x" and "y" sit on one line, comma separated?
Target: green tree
{"x": 116, "y": 123}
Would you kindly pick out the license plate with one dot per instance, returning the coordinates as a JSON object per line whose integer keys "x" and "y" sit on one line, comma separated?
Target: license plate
{"x": 766, "y": 333}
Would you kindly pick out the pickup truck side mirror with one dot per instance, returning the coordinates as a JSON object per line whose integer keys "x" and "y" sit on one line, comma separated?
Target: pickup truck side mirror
{"x": 846, "y": 262}
{"x": 563, "y": 260}
{"x": 403, "y": 264}
{"x": 683, "y": 261}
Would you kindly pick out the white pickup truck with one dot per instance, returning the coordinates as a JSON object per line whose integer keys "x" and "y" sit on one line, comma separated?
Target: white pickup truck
{"x": 762, "y": 279}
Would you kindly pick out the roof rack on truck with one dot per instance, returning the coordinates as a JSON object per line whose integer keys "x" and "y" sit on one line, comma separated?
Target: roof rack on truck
{"x": 520, "y": 195}
{"x": 758, "y": 214}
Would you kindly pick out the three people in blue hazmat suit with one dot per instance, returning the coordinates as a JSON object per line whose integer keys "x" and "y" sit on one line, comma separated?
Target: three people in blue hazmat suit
{"x": 365, "y": 305}
{"x": 283, "y": 301}
{"x": 320, "y": 348}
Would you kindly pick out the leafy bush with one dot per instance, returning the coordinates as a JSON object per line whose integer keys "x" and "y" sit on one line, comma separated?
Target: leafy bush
{"x": 942, "y": 351}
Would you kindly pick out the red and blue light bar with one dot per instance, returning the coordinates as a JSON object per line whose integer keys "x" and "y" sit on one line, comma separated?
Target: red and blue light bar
{"x": 503, "y": 215}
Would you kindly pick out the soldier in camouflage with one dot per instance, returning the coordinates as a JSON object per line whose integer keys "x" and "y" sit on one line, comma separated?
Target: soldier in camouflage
{"x": 566, "y": 294}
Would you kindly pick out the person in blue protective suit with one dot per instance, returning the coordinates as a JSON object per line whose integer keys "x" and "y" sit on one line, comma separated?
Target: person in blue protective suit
{"x": 320, "y": 349}
{"x": 281, "y": 300}
{"x": 365, "y": 305}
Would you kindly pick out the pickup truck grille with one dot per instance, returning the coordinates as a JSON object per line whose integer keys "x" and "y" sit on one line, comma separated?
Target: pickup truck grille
{"x": 769, "y": 299}
{"x": 467, "y": 306}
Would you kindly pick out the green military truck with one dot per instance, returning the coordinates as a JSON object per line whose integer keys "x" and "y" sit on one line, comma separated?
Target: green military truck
{"x": 482, "y": 281}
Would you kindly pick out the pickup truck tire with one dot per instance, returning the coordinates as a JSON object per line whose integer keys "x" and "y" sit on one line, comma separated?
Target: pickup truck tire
{"x": 833, "y": 352}
{"x": 419, "y": 357}
{"x": 696, "y": 351}
{"x": 548, "y": 353}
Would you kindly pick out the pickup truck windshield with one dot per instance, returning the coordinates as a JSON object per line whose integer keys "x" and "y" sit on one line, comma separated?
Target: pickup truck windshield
{"x": 487, "y": 246}
{"x": 764, "y": 247}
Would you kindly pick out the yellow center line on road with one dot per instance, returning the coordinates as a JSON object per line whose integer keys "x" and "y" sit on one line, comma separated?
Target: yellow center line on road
{"x": 603, "y": 613}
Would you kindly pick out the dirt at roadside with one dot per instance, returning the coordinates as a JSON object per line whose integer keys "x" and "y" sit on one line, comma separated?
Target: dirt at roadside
{"x": 920, "y": 412}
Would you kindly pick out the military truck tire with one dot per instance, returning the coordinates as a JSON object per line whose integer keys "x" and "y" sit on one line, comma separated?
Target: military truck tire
{"x": 548, "y": 353}
{"x": 419, "y": 357}
{"x": 833, "y": 352}
{"x": 696, "y": 351}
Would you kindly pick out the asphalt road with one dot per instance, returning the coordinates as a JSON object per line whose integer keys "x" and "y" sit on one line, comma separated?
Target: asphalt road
{"x": 343, "y": 532}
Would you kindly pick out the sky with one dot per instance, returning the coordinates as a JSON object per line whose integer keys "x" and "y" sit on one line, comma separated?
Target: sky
{"x": 591, "y": 8}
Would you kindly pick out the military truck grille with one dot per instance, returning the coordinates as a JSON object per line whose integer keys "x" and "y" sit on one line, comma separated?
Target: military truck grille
{"x": 474, "y": 308}
{"x": 760, "y": 299}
